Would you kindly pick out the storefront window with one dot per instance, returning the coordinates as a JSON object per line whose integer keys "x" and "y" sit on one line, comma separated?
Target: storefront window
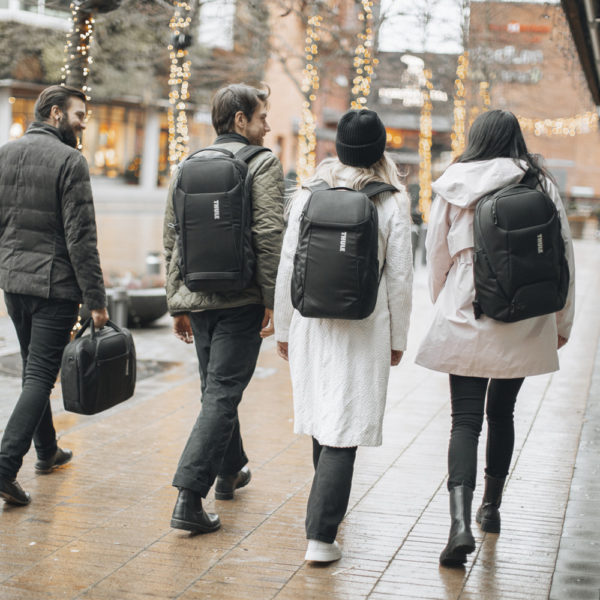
{"x": 55, "y": 8}
{"x": 113, "y": 141}
{"x": 22, "y": 111}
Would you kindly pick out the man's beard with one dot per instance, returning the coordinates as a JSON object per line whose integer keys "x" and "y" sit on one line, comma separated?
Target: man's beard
{"x": 67, "y": 133}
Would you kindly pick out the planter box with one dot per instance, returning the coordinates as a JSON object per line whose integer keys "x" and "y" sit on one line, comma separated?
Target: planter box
{"x": 576, "y": 224}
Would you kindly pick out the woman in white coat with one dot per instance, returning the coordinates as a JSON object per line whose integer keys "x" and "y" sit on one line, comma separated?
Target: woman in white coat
{"x": 483, "y": 355}
{"x": 340, "y": 368}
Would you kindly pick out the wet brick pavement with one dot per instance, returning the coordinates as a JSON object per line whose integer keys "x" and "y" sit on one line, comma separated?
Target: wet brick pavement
{"x": 98, "y": 529}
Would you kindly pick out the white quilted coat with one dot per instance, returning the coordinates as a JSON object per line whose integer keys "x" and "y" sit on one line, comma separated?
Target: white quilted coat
{"x": 340, "y": 368}
{"x": 456, "y": 342}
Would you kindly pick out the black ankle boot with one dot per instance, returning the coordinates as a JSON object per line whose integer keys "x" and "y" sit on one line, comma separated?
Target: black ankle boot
{"x": 227, "y": 484}
{"x": 460, "y": 541}
{"x": 488, "y": 515}
{"x": 188, "y": 514}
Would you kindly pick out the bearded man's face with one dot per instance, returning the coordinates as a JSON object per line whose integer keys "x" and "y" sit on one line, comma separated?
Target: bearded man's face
{"x": 72, "y": 122}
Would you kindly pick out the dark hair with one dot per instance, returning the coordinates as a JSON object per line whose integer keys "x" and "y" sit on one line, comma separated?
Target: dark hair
{"x": 55, "y": 95}
{"x": 231, "y": 99}
{"x": 496, "y": 134}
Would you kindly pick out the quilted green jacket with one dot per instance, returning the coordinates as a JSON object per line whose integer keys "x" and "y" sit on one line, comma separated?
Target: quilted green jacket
{"x": 267, "y": 229}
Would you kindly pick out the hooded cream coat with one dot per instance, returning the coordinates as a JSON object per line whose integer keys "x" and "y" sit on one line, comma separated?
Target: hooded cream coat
{"x": 457, "y": 343}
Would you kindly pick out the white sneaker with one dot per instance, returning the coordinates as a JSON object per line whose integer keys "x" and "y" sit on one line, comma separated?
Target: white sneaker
{"x": 322, "y": 551}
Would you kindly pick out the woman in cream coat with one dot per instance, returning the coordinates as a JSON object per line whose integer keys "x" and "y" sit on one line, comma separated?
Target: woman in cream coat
{"x": 483, "y": 356}
{"x": 340, "y": 368}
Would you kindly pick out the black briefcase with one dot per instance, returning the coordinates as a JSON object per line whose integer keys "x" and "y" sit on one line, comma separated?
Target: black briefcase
{"x": 98, "y": 370}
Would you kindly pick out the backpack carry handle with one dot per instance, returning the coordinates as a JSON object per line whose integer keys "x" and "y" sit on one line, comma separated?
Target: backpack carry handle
{"x": 371, "y": 189}
{"x": 224, "y": 151}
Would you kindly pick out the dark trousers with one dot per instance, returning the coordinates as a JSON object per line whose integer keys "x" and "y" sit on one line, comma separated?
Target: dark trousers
{"x": 43, "y": 327}
{"x": 227, "y": 343}
{"x": 330, "y": 491}
{"x": 468, "y": 402}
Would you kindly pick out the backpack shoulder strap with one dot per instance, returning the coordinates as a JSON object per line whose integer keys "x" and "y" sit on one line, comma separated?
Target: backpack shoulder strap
{"x": 246, "y": 153}
{"x": 530, "y": 179}
{"x": 377, "y": 187}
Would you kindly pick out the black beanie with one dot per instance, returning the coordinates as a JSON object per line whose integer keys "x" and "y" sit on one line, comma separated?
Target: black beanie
{"x": 360, "y": 139}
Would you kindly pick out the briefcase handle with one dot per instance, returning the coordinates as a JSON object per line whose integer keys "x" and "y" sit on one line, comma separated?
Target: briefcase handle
{"x": 90, "y": 322}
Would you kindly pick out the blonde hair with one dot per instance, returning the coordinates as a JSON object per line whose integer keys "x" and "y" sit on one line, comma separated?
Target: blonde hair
{"x": 335, "y": 173}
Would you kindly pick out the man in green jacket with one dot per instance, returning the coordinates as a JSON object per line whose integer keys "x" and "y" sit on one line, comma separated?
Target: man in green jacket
{"x": 227, "y": 327}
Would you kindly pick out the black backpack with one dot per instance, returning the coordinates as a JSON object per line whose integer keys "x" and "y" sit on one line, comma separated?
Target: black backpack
{"x": 520, "y": 266}
{"x": 213, "y": 211}
{"x": 336, "y": 269}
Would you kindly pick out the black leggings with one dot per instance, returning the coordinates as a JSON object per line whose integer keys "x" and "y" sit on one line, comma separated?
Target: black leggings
{"x": 468, "y": 401}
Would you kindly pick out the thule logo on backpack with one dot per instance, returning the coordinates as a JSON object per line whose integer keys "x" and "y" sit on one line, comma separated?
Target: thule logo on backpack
{"x": 343, "y": 242}
{"x": 216, "y": 210}
{"x": 540, "y": 244}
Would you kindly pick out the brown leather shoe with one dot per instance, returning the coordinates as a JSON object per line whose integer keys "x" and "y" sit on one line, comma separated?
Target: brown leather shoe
{"x": 189, "y": 515}
{"x": 61, "y": 457}
{"x": 13, "y": 493}
{"x": 226, "y": 485}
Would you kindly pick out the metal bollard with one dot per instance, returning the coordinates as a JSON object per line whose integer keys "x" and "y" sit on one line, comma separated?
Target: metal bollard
{"x": 153, "y": 263}
{"x": 120, "y": 308}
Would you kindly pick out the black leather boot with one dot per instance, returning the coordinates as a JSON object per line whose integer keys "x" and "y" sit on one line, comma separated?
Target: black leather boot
{"x": 460, "y": 541}
{"x": 13, "y": 493}
{"x": 226, "y": 485}
{"x": 188, "y": 514}
{"x": 488, "y": 515}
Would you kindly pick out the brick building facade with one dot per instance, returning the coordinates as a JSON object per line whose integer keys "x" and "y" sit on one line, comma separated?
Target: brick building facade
{"x": 526, "y": 53}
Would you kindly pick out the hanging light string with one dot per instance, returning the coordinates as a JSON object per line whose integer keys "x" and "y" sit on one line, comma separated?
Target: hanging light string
{"x": 484, "y": 94}
{"x": 564, "y": 126}
{"x": 77, "y": 50}
{"x": 460, "y": 105}
{"x": 363, "y": 58}
{"x": 307, "y": 140}
{"x": 425, "y": 133}
{"x": 179, "y": 82}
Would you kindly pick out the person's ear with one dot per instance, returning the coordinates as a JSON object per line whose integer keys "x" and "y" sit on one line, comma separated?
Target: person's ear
{"x": 240, "y": 119}
{"x": 55, "y": 113}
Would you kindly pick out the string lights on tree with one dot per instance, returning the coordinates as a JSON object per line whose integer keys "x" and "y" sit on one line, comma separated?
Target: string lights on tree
{"x": 77, "y": 60}
{"x": 179, "y": 81}
{"x": 460, "y": 105}
{"x": 364, "y": 61}
{"x": 307, "y": 140}
{"x": 425, "y": 136}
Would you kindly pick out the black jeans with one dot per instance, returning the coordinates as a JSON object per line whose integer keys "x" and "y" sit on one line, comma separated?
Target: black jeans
{"x": 43, "y": 327}
{"x": 330, "y": 491}
{"x": 227, "y": 343}
{"x": 468, "y": 401}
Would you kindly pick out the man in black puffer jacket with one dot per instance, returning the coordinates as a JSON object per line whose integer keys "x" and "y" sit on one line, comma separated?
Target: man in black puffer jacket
{"x": 48, "y": 265}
